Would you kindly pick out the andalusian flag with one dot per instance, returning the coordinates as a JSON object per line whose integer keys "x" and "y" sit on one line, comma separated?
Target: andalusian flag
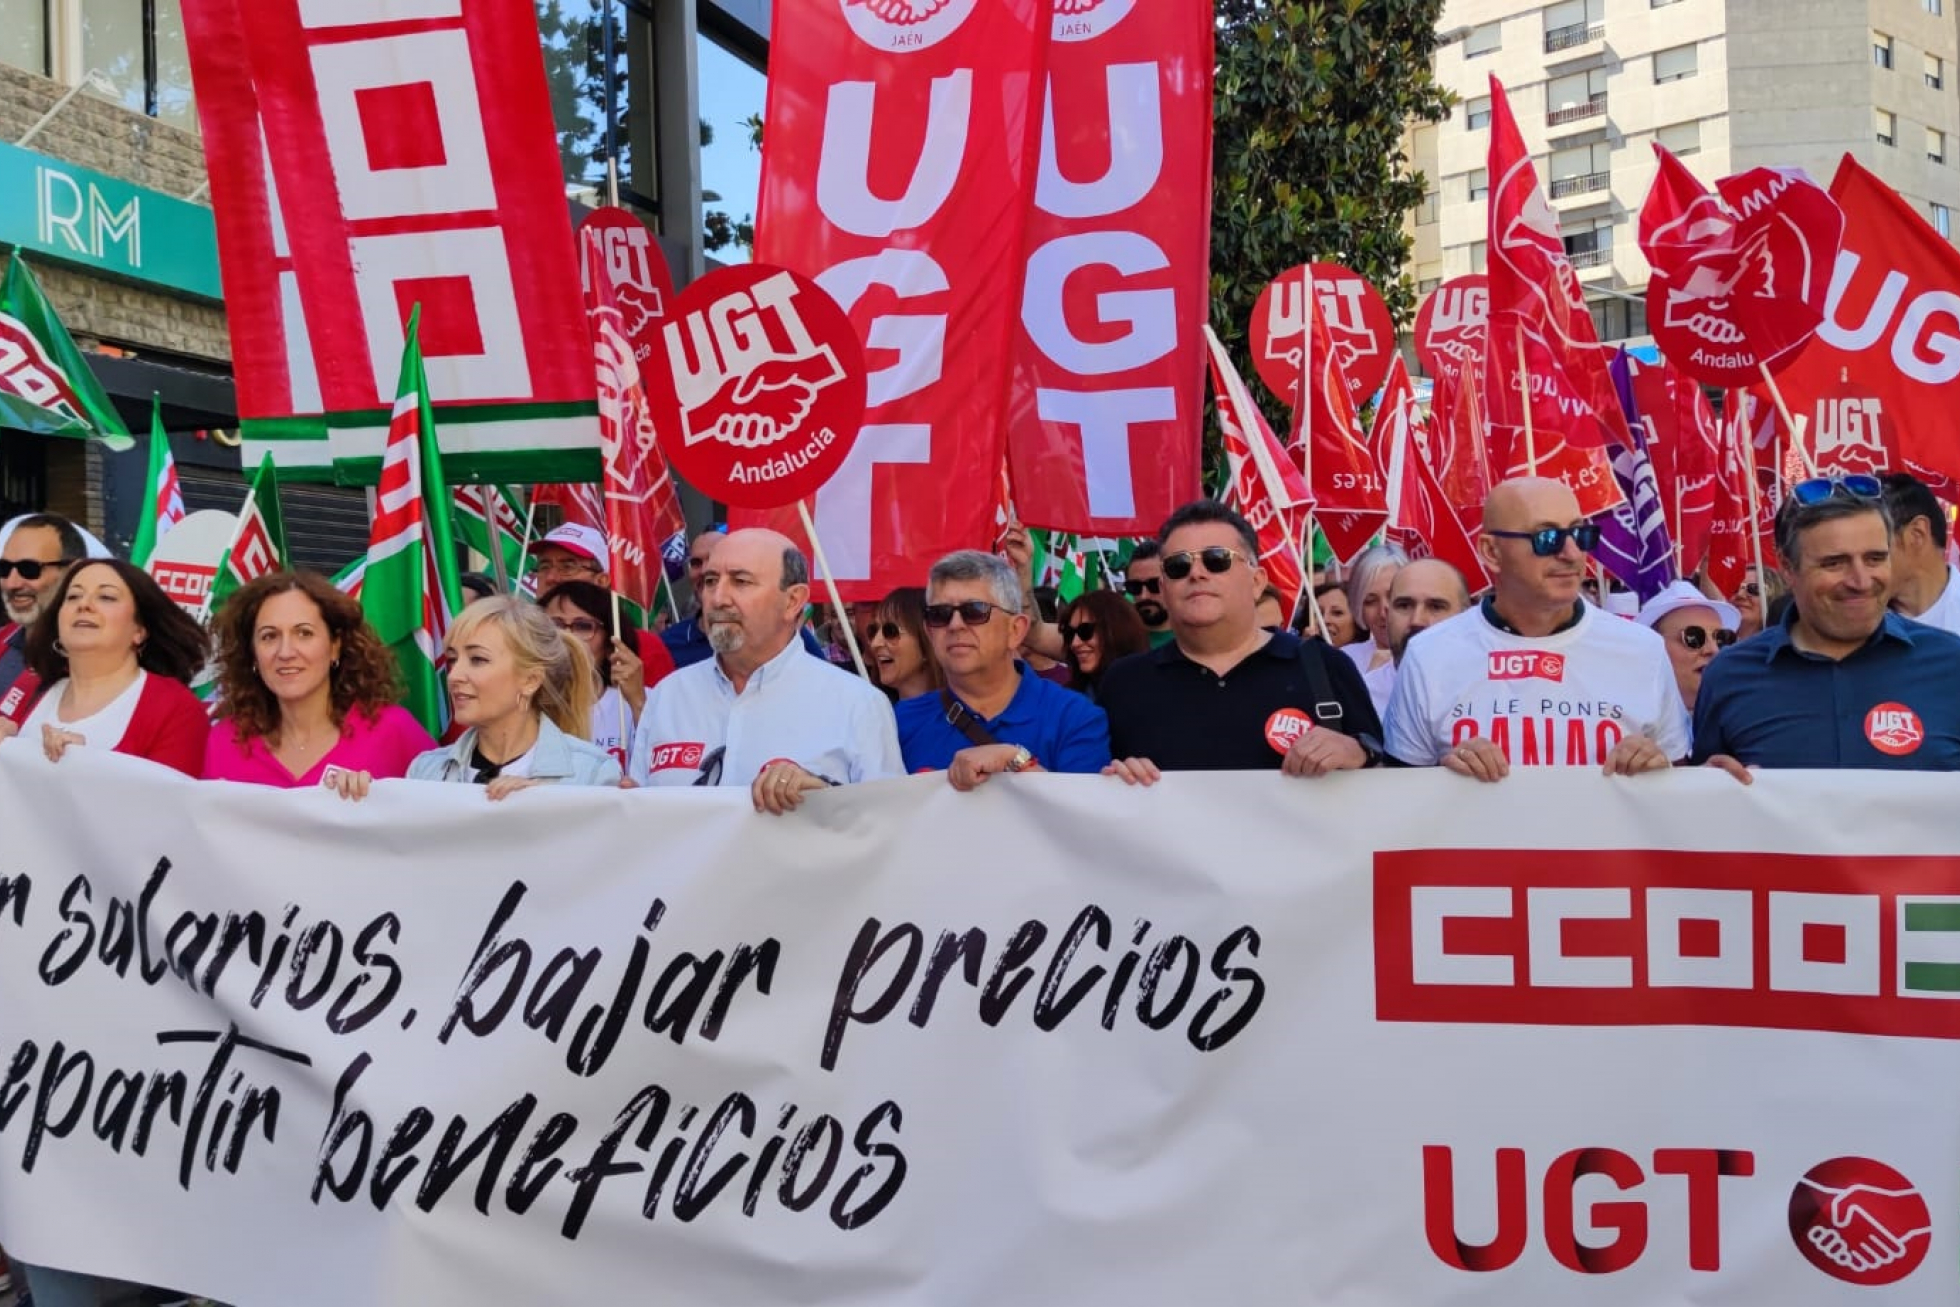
{"x": 48, "y": 389}
{"x": 259, "y": 545}
{"x": 410, "y": 587}
{"x": 163, "y": 499}
{"x": 477, "y": 506}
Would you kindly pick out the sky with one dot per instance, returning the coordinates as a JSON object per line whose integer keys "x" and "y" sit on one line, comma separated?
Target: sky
{"x": 731, "y": 90}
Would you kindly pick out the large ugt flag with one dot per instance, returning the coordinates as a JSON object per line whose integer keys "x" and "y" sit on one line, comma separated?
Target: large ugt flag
{"x": 368, "y": 155}
{"x": 1109, "y": 389}
{"x": 898, "y": 175}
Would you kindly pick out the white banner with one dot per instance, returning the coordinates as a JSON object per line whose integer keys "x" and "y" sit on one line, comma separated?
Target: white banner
{"x": 1563, "y": 1040}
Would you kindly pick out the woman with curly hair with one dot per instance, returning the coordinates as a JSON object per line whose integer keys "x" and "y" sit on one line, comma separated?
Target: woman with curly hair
{"x": 117, "y": 655}
{"x": 308, "y": 693}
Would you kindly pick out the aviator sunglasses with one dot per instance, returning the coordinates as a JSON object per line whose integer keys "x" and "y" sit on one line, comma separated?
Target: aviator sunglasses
{"x": 1216, "y": 558}
{"x": 1818, "y": 489}
{"x": 1694, "y": 637}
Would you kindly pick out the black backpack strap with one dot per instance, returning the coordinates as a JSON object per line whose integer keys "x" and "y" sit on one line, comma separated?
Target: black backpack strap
{"x": 1325, "y": 709}
{"x": 962, "y": 719}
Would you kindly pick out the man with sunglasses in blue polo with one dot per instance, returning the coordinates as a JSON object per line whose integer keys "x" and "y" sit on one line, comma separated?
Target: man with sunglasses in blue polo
{"x": 1535, "y": 676}
{"x": 1842, "y": 681}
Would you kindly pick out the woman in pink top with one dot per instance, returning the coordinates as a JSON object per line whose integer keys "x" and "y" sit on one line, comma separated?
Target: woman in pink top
{"x": 307, "y": 692}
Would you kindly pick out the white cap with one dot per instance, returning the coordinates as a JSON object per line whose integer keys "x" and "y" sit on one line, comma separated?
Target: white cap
{"x": 588, "y": 542}
{"x": 1683, "y": 594}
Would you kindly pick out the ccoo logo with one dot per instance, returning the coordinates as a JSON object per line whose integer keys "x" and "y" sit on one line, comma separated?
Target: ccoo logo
{"x": 1895, "y": 729}
{"x": 1860, "y": 1221}
{"x": 899, "y": 26}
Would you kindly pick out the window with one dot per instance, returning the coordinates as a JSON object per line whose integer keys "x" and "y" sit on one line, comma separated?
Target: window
{"x": 1428, "y": 211}
{"x": 1943, "y": 220}
{"x": 1581, "y": 169}
{"x": 1427, "y": 285}
{"x": 1933, "y": 7}
{"x": 1661, "y": 4}
{"x": 1581, "y": 95}
{"x": 1570, "y": 23}
{"x": 1479, "y": 255}
{"x": 1887, "y": 125}
{"x": 1673, "y": 65}
{"x": 1590, "y": 245}
{"x": 1483, "y": 40}
{"x": 1935, "y": 72}
{"x": 1935, "y": 145}
{"x": 24, "y": 36}
{"x": 1476, "y": 113}
{"x": 138, "y": 47}
{"x": 1680, "y": 139}
{"x": 1881, "y": 49}
{"x": 1479, "y": 184}
{"x": 601, "y": 102}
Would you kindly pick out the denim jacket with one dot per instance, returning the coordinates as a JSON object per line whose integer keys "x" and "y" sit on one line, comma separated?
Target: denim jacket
{"x": 555, "y": 757}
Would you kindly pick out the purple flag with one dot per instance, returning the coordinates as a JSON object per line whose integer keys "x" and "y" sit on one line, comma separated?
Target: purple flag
{"x": 1633, "y": 539}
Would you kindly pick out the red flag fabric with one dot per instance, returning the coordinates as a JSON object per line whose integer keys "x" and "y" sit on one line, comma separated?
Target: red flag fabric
{"x": 1682, "y": 440}
{"x": 626, "y": 435}
{"x": 1262, "y": 482}
{"x": 360, "y": 164}
{"x": 899, "y": 176}
{"x": 1109, "y": 389}
{"x": 1421, "y": 518}
{"x": 581, "y": 504}
{"x": 1329, "y": 445}
{"x": 1543, "y": 348}
{"x": 1460, "y": 448}
{"x": 1740, "y": 273}
{"x": 1731, "y": 552}
{"x": 1875, "y": 387}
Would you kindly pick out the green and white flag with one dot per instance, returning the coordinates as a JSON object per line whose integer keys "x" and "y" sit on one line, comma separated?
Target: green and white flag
{"x": 476, "y": 507}
{"x": 259, "y": 547}
{"x": 163, "y": 497}
{"x": 48, "y": 390}
{"x": 410, "y": 588}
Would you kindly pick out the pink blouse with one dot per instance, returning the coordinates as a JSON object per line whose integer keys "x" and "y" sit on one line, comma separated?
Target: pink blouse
{"x": 382, "y": 746}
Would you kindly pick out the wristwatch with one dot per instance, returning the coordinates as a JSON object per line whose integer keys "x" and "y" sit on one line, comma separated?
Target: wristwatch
{"x": 1373, "y": 749}
{"x": 1022, "y": 759}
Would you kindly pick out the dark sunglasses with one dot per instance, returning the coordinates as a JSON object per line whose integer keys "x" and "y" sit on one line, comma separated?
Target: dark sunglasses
{"x": 1694, "y": 637}
{"x": 1549, "y": 542}
{"x": 1216, "y": 558}
{"x": 30, "y": 569}
{"x": 1818, "y": 489}
{"x": 974, "y": 612}
{"x": 1149, "y": 585}
{"x": 1086, "y": 631}
{"x": 890, "y": 630}
{"x": 1753, "y": 590}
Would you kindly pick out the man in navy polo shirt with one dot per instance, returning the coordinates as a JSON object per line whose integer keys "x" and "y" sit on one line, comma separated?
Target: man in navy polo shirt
{"x": 1226, "y": 694}
{"x": 995, "y": 715}
{"x": 1842, "y": 681}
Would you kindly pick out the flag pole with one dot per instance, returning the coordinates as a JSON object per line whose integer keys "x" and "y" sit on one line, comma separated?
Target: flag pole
{"x": 1789, "y": 423}
{"x": 1755, "y": 511}
{"x": 830, "y": 580}
{"x": 1304, "y": 407}
{"x": 494, "y": 536}
{"x": 619, "y": 637}
{"x": 224, "y": 559}
{"x": 524, "y": 545}
{"x": 1524, "y": 398}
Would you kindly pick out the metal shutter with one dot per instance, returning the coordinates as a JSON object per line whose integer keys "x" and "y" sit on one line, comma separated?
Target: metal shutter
{"x": 326, "y": 526}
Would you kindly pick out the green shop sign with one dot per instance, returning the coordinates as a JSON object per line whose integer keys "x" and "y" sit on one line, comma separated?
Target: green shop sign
{"x": 107, "y": 225}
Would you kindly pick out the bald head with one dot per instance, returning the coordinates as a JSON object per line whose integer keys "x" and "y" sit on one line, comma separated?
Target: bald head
{"x": 1526, "y": 503}
{"x": 765, "y": 554}
{"x": 1423, "y": 593}
{"x": 1532, "y": 589}
{"x": 753, "y": 590}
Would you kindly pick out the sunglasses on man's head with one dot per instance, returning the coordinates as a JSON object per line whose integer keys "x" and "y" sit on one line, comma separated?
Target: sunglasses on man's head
{"x": 890, "y": 630}
{"x": 1070, "y": 634}
{"x": 1549, "y": 541}
{"x": 1818, "y": 489}
{"x": 1694, "y": 637}
{"x": 974, "y": 612}
{"x": 1146, "y": 585}
{"x": 1216, "y": 558}
{"x": 30, "y": 569}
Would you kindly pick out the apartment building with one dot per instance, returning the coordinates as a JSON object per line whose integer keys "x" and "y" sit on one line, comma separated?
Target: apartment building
{"x": 1727, "y": 85}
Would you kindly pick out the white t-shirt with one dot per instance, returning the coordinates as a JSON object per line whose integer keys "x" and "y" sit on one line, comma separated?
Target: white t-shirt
{"x": 103, "y": 730}
{"x": 1945, "y": 612}
{"x": 1561, "y": 700}
{"x": 608, "y": 715}
{"x": 794, "y": 707}
{"x": 1379, "y": 680}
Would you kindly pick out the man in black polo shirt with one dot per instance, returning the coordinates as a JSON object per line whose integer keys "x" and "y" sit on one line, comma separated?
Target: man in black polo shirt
{"x": 1225, "y": 695}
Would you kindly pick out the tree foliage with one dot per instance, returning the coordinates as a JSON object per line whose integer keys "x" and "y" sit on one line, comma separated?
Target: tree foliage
{"x": 1312, "y": 103}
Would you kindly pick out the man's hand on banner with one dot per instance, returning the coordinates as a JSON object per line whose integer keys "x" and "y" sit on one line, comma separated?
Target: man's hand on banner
{"x": 1318, "y": 752}
{"x": 780, "y": 787}
{"x": 1636, "y": 754}
{"x": 1134, "y": 771}
{"x": 1478, "y": 759}
{"x": 1734, "y": 767}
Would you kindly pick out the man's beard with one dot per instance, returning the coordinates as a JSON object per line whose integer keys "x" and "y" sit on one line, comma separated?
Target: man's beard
{"x": 726, "y": 637}
{"x": 1151, "y": 612}
{"x": 28, "y": 618}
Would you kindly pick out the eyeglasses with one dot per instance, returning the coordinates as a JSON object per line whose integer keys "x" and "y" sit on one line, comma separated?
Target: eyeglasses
{"x": 30, "y": 569}
{"x": 890, "y": 630}
{"x": 1549, "y": 542}
{"x": 1752, "y": 589}
{"x": 1694, "y": 637}
{"x": 1085, "y": 632}
{"x": 1216, "y": 558}
{"x": 974, "y": 612}
{"x": 1818, "y": 489}
{"x": 1146, "y": 585}
{"x": 584, "y": 626}
{"x": 547, "y": 566}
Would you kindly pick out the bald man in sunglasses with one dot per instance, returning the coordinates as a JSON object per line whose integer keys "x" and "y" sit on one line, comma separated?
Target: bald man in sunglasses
{"x": 1535, "y": 676}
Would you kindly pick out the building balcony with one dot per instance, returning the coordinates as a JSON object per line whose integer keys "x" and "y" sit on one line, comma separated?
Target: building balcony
{"x": 1572, "y": 113}
{"x": 1581, "y": 260}
{"x": 1576, "y": 34}
{"x": 1563, "y": 187}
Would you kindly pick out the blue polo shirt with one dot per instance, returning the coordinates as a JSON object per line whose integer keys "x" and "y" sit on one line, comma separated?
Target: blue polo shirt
{"x": 1062, "y": 729}
{"x": 1894, "y": 704}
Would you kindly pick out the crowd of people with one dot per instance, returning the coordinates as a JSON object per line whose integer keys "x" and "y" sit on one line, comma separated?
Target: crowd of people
{"x": 1190, "y": 665}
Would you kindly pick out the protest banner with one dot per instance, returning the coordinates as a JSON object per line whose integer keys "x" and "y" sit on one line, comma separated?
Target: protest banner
{"x": 1656, "y": 1041}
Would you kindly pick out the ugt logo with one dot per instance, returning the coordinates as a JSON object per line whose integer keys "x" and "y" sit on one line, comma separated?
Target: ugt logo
{"x": 746, "y": 370}
{"x": 1860, "y": 1221}
{"x": 1527, "y": 665}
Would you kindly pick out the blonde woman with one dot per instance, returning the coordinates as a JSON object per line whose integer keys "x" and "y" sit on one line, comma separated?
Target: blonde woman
{"x": 523, "y": 690}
